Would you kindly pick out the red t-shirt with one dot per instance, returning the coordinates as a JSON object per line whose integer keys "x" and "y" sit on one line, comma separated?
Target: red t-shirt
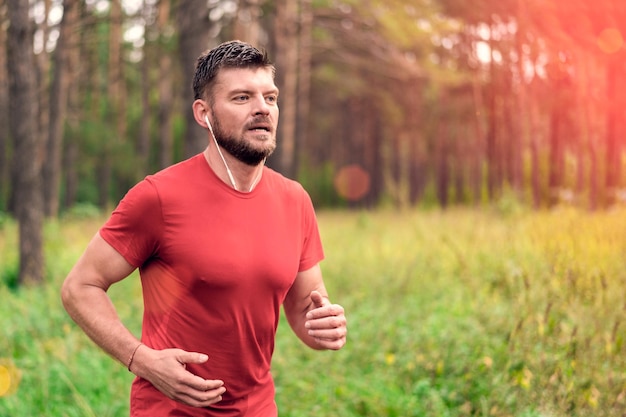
{"x": 215, "y": 266}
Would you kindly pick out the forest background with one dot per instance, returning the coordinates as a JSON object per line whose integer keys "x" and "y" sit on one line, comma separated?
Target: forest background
{"x": 432, "y": 102}
{"x": 508, "y": 114}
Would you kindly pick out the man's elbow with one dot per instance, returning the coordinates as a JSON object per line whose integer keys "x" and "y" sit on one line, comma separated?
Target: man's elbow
{"x": 69, "y": 294}
{"x": 66, "y": 294}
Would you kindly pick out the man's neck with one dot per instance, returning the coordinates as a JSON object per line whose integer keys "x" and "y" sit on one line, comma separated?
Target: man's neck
{"x": 240, "y": 176}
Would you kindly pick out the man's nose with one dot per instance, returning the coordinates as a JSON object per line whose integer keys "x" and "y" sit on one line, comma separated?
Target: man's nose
{"x": 261, "y": 106}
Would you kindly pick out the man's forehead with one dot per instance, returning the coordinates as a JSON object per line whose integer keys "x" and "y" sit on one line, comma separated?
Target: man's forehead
{"x": 236, "y": 79}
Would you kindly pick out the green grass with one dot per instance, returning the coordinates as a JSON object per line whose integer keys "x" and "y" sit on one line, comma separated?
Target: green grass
{"x": 457, "y": 313}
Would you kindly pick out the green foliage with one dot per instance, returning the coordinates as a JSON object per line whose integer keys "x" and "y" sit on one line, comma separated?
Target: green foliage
{"x": 4, "y": 219}
{"x": 82, "y": 211}
{"x": 9, "y": 262}
{"x": 320, "y": 185}
{"x": 501, "y": 312}
{"x": 9, "y": 275}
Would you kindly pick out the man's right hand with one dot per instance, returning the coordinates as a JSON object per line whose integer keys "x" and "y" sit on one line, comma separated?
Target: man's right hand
{"x": 166, "y": 370}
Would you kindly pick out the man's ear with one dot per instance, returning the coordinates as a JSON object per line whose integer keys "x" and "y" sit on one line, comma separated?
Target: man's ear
{"x": 200, "y": 110}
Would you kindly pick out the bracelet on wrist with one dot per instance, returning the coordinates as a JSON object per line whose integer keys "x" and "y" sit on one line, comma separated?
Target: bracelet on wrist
{"x": 132, "y": 356}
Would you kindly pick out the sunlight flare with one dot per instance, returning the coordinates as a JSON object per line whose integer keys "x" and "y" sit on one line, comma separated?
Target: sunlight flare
{"x": 610, "y": 40}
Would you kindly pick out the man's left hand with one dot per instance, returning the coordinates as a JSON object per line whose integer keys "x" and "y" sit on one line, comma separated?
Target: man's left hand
{"x": 326, "y": 323}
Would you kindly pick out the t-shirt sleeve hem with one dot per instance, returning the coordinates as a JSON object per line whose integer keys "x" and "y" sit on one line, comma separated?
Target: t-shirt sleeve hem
{"x": 119, "y": 246}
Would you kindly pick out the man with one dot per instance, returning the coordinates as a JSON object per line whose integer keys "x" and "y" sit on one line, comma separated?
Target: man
{"x": 221, "y": 242}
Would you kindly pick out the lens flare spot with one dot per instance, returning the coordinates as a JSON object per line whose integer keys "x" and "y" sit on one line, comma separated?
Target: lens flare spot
{"x": 352, "y": 182}
{"x": 5, "y": 380}
{"x": 9, "y": 377}
{"x": 610, "y": 40}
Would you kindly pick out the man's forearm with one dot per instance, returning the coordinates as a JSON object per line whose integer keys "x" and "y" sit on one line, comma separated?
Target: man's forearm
{"x": 91, "y": 308}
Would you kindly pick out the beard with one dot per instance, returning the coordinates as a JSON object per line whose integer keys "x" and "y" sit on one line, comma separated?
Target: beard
{"x": 242, "y": 149}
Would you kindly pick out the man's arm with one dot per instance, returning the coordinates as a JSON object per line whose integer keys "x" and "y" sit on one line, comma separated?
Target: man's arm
{"x": 317, "y": 322}
{"x": 85, "y": 299}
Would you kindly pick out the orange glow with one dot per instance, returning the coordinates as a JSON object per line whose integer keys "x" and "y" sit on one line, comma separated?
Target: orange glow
{"x": 352, "y": 182}
{"x": 610, "y": 40}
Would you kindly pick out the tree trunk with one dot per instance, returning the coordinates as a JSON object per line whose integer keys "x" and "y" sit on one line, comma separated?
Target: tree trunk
{"x": 246, "y": 26}
{"x": 523, "y": 117}
{"x": 70, "y": 159}
{"x": 304, "y": 80}
{"x": 494, "y": 179}
{"x": 478, "y": 147}
{"x": 58, "y": 110}
{"x": 75, "y": 110}
{"x": 414, "y": 122}
{"x": 583, "y": 131}
{"x": 27, "y": 158}
{"x": 193, "y": 35}
{"x": 514, "y": 146}
{"x": 42, "y": 68}
{"x": 613, "y": 173}
{"x": 150, "y": 51}
{"x": 535, "y": 166}
{"x": 376, "y": 162}
{"x": 442, "y": 166}
{"x": 115, "y": 115}
{"x": 492, "y": 150}
{"x": 143, "y": 139}
{"x": 459, "y": 164}
{"x": 5, "y": 181}
{"x": 116, "y": 89}
{"x": 555, "y": 165}
{"x": 396, "y": 161}
{"x": 417, "y": 171}
{"x": 556, "y": 155}
{"x": 166, "y": 94}
{"x": 285, "y": 39}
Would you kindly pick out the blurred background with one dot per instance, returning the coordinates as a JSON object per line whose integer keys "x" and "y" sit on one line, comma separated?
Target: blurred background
{"x": 383, "y": 102}
{"x": 448, "y": 101}
{"x": 465, "y": 158}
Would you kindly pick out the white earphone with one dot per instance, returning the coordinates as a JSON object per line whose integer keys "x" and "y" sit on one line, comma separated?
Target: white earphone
{"x": 230, "y": 174}
{"x": 208, "y": 124}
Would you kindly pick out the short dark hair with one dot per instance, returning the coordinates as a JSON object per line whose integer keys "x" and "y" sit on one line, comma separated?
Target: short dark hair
{"x": 232, "y": 54}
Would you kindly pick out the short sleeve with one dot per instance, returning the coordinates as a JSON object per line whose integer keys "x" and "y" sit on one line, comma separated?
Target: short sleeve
{"x": 312, "y": 249}
{"x": 136, "y": 224}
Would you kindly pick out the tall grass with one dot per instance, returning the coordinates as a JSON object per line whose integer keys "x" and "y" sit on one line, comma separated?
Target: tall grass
{"x": 457, "y": 313}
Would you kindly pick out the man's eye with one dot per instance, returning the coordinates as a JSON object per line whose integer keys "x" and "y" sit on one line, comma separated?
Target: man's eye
{"x": 241, "y": 98}
{"x": 271, "y": 99}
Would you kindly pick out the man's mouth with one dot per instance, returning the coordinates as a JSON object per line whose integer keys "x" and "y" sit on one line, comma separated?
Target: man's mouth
{"x": 260, "y": 128}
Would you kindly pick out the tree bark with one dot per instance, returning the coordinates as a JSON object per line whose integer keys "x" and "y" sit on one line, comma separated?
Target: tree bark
{"x": 613, "y": 172}
{"x": 149, "y": 52}
{"x": 58, "y": 110}
{"x": 75, "y": 108}
{"x": 246, "y": 26}
{"x": 556, "y": 144}
{"x": 442, "y": 166}
{"x": 305, "y": 42}
{"x": 494, "y": 177}
{"x": 27, "y": 157}
{"x": 4, "y": 116}
{"x": 478, "y": 148}
{"x": 414, "y": 121}
{"x": 166, "y": 94}
{"x": 193, "y": 32}
{"x": 535, "y": 166}
{"x": 396, "y": 162}
{"x": 115, "y": 115}
{"x": 42, "y": 68}
{"x": 285, "y": 39}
